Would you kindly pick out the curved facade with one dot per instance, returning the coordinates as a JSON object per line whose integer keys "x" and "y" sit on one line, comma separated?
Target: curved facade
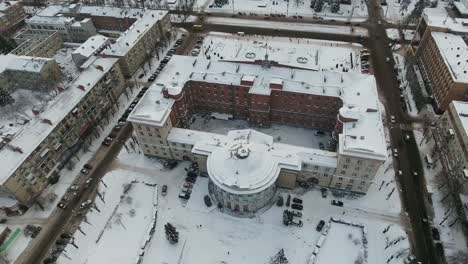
{"x": 243, "y": 173}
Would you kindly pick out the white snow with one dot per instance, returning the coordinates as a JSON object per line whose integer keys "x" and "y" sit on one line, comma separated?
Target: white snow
{"x": 356, "y": 11}
{"x": 207, "y": 235}
{"x": 454, "y": 51}
{"x": 90, "y": 46}
{"x": 297, "y": 52}
{"x": 289, "y": 26}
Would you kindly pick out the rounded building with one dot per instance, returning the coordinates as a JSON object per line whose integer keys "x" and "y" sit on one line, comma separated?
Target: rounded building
{"x": 243, "y": 173}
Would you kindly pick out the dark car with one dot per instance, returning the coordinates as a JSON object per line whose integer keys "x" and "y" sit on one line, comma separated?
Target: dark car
{"x": 164, "y": 190}
{"x": 337, "y": 203}
{"x": 297, "y": 207}
{"x": 320, "y": 226}
{"x": 207, "y": 201}
{"x": 190, "y": 179}
{"x": 297, "y": 200}
{"x": 141, "y": 76}
{"x": 324, "y": 192}
{"x": 435, "y": 234}
{"x": 321, "y": 146}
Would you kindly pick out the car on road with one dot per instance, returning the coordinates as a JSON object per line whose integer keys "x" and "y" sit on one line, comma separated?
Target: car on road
{"x": 164, "y": 190}
{"x": 122, "y": 122}
{"x": 395, "y": 152}
{"x": 74, "y": 187}
{"x": 84, "y": 171}
{"x": 320, "y": 226}
{"x": 297, "y": 200}
{"x": 62, "y": 205}
{"x": 321, "y": 146}
{"x": 387, "y": 59}
{"x": 392, "y": 119}
{"x": 337, "y": 203}
{"x": 85, "y": 204}
{"x": 207, "y": 201}
{"x": 87, "y": 166}
{"x": 297, "y": 206}
{"x": 107, "y": 141}
{"x": 324, "y": 192}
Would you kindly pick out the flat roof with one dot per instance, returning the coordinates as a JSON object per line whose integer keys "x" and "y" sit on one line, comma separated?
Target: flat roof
{"x": 461, "y": 6}
{"x": 364, "y": 137}
{"x": 56, "y": 20}
{"x": 454, "y": 51}
{"x": 461, "y": 109}
{"x": 438, "y": 17}
{"x": 34, "y": 133}
{"x": 108, "y": 11}
{"x": 131, "y": 36}
{"x": 23, "y": 63}
{"x": 91, "y": 45}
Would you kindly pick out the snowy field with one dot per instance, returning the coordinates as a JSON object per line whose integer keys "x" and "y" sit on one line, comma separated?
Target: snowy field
{"x": 207, "y": 235}
{"x": 356, "y": 11}
{"x": 297, "y": 52}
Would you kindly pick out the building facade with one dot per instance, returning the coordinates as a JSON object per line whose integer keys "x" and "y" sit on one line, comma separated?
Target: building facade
{"x": 264, "y": 95}
{"x": 138, "y": 43}
{"x": 28, "y": 72}
{"x": 69, "y": 28}
{"x": 36, "y": 155}
{"x": 443, "y": 62}
{"x": 455, "y": 135}
{"x": 37, "y": 43}
{"x": 11, "y": 16}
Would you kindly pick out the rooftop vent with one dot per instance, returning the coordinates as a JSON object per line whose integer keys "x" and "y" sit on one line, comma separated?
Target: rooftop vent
{"x": 126, "y": 43}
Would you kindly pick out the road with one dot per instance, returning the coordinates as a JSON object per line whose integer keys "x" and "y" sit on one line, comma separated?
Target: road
{"x": 60, "y": 219}
{"x": 413, "y": 187}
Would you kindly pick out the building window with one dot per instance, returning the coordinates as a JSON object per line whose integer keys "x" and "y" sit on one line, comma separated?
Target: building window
{"x": 340, "y": 178}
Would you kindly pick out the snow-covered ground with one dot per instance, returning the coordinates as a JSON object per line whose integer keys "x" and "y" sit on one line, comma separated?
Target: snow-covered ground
{"x": 356, "y": 11}
{"x": 305, "y": 27}
{"x": 298, "y": 52}
{"x": 207, "y": 235}
{"x": 64, "y": 59}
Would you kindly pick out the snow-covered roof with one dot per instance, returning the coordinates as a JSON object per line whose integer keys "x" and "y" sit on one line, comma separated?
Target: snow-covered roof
{"x": 7, "y": 4}
{"x": 438, "y": 17}
{"x": 454, "y": 51}
{"x": 22, "y": 63}
{"x": 245, "y": 161}
{"x": 364, "y": 136}
{"x": 90, "y": 46}
{"x": 108, "y": 11}
{"x": 462, "y": 6}
{"x": 131, "y": 36}
{"x": 461, "y": 109}
{"x": 32, "y": 134}
{"x": 48, "y": 20}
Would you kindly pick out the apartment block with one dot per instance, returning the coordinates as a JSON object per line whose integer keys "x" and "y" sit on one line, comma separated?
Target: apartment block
{"x": 34, "y": 155}
{"x": 265, "y": 94}
{"x": 69, "y": 28}
{"x": 92, "y": 47}
{"x": 455, "y": 136}
{"x": 11, "y": 16}
{"x": 139, "y": 41}
{"x": 37, "y": 43}
{"x": 28, "y": 72}
{"x": 443, "y": 62}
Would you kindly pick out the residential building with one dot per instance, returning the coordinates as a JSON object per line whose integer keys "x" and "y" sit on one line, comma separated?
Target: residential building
{"x": 33, "y": 156}
{"x": 443, "y": 63}
{"x": 70, "y": 29}
{"x": 28, "y": 72}
{"x": 345, "y": 104}
{"x": 37, "y": 43}
{"x": 89, "y": 48}
{"x": 138, "y": 43}
{"x": 454, "y": 132}
{"x": 11, "y": 16}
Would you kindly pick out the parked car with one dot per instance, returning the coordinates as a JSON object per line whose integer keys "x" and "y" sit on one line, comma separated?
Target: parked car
{"x": 297, "y": 200}
{"x": 319, "y": 133}
{"x": 184, "y": 196}
{"x": 337, "y": 203}
{"x": 321, "y": 146}
{"x": 84, "y": 171}
{"x": 320, "y": 226}
{"x": 324, "y": 192}
{"x": 141, "y": 76}
{"x": 187, "y": 185}
{"x": 74, "y": 187}
{"x": 164, "y": 190}
{"x": 62, "y": 205}
{"x": 207, "y": 201}
{"x": 190, "y": 179}
{"x": 87, "y": 166}
{"x": 297, "y": 207}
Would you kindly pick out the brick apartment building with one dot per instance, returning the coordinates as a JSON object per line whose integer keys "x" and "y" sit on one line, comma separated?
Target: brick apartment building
{"x": 11, "y": 16}
{"x": 344, "y": 103}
